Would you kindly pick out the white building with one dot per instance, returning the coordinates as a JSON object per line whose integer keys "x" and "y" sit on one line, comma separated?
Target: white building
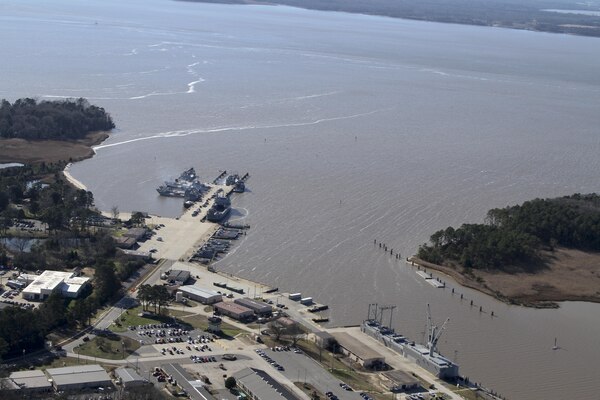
{"x": 65, "y": 283}
{"x": 201, "y": 295}
{"x": 79, "y": 377}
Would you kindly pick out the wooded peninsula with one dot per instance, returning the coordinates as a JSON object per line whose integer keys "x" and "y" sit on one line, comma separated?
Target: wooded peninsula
{"x": 545, "y": 250}
{"x": 34, "y": 131}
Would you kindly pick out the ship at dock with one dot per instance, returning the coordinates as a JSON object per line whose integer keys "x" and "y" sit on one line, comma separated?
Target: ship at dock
{"x": 220, "y": 209}
{"x": 186, "y": 186}
{"x": 238, "y": 183}
{"x": 426, "y": 356}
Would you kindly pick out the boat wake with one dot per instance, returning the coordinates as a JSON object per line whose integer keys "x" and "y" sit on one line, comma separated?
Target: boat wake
{"x": 182, "y": 133}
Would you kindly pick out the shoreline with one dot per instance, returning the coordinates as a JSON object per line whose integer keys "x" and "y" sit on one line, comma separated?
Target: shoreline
{"x": 67, "y": 174}
{"x": 545, "y": 296}
{"x": 566, "y": 27}
{"x": 92, "y": 140}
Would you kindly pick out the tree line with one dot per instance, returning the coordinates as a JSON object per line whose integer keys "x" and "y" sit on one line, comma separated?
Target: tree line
{"x": 64, "y": 120}
{"x": 157, "y": 296}
{"x": 515, "y": 235}
{"x": 40, "y": 192}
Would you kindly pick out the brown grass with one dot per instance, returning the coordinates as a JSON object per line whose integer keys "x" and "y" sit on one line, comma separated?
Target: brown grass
{"x": 37, "y": 151}
{"x": 569, "y": 275}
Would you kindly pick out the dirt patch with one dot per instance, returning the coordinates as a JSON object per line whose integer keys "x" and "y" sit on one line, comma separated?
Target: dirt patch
{"x": 49, "y": 151}
{"x": 570, "y": 275}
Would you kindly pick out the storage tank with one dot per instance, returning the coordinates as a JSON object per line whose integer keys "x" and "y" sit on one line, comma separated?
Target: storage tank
{"x": 179, "y": 297}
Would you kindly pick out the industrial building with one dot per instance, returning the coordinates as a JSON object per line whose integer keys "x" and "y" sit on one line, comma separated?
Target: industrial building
{"x": 79, "y": 377}
{"x": 129, "y": 378}
{"x": 235, "y": 311}
{"x": 66, "y": 283}
{"x": 261, "y": 386}
{"x": 259, "y": 308}
{"x": 200, "y": 295}
{"x": 194, "y": 389}
{"x": 323, "y": 339}
{"x": 400, "y": 381}
{"x": 176, "y": 276}
{"x": 358, "y": 351}
{"x": 28, "y": 382}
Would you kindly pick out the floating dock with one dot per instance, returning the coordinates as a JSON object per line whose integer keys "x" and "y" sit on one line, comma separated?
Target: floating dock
{"x": 424, "y": 275}
{"x": 435, "y": 282}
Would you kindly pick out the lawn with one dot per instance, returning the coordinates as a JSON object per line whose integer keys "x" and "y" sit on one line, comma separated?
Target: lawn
{"x": 201, "y": 322}
{"x": 111, "y": 347}
{"x": 132, "y": 317}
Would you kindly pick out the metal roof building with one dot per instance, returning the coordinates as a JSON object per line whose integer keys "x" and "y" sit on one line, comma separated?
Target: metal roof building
{"x": 49, "y": 281}
{"x": 129, "y": 378}
{"x": 79, "y": 377}
{"x": 29, "y": 381}
{"x": 400, "y": 380}
{"x": 178, "y": 276}
{"x": 358, "y": 351}
{"x": 204, "y": 296}
{"x": 235, "y": 311}
{"x": 259, "y": 308}
{"x": 194, "y": 388}
{"x": 261, "y": 386}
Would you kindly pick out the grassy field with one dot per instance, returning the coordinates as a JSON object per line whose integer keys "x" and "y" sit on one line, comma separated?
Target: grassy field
{"x": 131, "y": 317}
{"x": 201, "y": 322}
{"x": 111, "y": 347}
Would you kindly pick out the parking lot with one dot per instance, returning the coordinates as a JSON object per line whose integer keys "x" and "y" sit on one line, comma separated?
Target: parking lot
{"x": 299, "y": 368}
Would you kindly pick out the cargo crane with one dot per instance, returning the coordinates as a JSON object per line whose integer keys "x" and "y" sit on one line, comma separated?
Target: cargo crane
{"x": 433, "y": 332}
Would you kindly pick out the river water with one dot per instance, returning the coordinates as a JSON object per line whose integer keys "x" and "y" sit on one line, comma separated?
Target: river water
{"x": 353, "y": 128}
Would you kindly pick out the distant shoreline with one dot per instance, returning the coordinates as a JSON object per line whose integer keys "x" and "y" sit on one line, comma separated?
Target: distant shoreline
{"x": 530, "y": 19}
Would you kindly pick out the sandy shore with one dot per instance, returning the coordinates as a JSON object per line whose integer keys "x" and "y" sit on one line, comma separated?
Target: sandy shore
{"x": 72, "y": 180}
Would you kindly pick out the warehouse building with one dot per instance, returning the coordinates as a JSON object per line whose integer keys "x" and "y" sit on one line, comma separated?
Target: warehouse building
{"x": 323, "y": 339}
{"x": 400, "y": 381}
{"x": 194, "y": 389}
{"x": 358, "y": 351}
{"x": 79, "y": 377}
{"x": 66, "y": 283}
{"x": 261, "y": 386}
{"x": 259, "y": 308}
{"x": 176, "y": 276}
{"x": 28, "y": 382}
{"x": 235, "y": 311}
{"x": 129, "y": 378}
{"x": 198, "y": 294}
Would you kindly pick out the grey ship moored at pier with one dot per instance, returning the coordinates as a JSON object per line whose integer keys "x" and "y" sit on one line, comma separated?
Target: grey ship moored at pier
{"x": 220, "y": 209}
{"x": 425, "y": 356}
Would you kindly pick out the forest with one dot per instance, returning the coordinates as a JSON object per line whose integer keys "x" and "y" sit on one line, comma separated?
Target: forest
{"x": 68, "y": 119}
{"x": 73, "y": 239}
{"x": 515, "y": 236}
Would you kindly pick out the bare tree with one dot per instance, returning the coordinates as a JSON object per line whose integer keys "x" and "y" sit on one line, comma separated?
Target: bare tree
{"x": 115, "y": 212}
